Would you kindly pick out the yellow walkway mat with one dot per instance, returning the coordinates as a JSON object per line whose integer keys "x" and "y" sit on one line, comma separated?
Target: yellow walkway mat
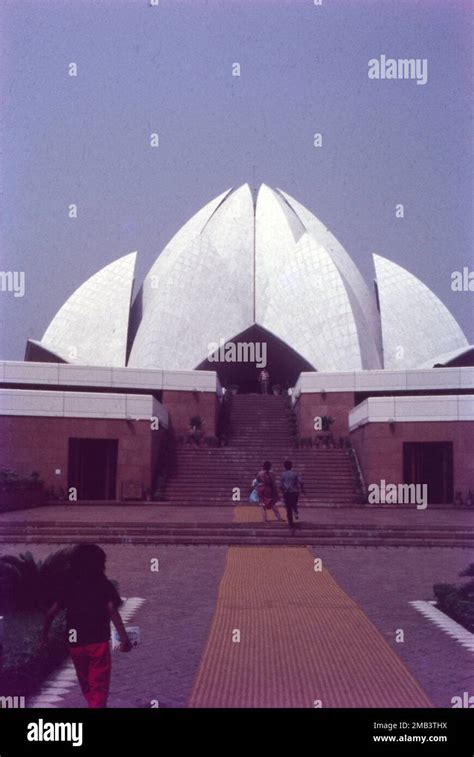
{"x": 303, "y": 641}
{"x": 253, "y": 514}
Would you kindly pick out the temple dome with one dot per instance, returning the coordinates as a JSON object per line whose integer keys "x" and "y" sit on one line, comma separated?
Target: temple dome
{"x": 237, "y": 265}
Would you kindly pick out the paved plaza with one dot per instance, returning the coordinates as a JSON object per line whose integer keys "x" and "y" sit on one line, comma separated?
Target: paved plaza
{"x": 246, "y": 626}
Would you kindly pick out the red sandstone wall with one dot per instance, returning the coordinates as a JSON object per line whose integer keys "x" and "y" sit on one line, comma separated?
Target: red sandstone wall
{"x": 181, "y": 406}
{"x": 380, "y": 450}
{"x": 158, "y": 441}
{"x": 41, "y": 444}
{"x": 335, "y": 404}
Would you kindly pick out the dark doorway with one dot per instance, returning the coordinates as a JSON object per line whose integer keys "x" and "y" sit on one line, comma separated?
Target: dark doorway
{"x": 93, "y": 468}
{"x": 282, "y": 362}
{"x": 430, "y": 463}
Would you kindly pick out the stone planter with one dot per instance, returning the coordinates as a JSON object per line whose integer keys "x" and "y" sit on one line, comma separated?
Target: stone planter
{"x": 18, "y": 498}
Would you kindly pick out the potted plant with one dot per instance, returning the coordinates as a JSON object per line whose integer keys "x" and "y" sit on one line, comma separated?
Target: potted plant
{"x": 195, "y": 430}
{"x": 211, "y": 441}
{"x": 158, "y": 494}
{"x": 327, "y": 422}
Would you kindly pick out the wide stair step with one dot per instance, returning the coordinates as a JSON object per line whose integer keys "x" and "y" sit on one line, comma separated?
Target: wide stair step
{"x": 57, "y": 532}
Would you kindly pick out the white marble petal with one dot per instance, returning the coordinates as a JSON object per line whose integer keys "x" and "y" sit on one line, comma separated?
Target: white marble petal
{"x": 91, "y": 327}
{"x": 362, "y": 299}
{"x": 200, "y": 290}
{"x": 416, "y": 326}
{"x": 307, "y": 306}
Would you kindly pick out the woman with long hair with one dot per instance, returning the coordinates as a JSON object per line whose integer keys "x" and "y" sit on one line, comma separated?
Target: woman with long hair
{"x": 91, "y": 602}
{"x": 267, "y": 491}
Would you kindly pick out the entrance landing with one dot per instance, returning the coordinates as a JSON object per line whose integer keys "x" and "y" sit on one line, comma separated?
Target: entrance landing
{"x": 101, "y": 512}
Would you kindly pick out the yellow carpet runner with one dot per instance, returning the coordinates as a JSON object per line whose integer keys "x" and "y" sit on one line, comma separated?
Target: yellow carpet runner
{"x": 284, "y": 635}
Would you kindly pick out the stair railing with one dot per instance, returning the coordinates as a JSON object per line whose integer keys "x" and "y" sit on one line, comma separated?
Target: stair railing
{"x": 362, "y": 489}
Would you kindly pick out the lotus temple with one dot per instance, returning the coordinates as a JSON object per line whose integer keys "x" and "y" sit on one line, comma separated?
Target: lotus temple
{"x": 377, "y": 375}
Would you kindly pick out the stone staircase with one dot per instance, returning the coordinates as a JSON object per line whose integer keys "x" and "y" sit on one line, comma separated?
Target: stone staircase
{"x": 147, "y": 532}
{"x": 260, "y": 431}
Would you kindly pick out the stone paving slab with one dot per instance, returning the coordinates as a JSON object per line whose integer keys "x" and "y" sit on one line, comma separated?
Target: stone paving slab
{"x": 383, "y": 581}
{"x": 123, "y": 513}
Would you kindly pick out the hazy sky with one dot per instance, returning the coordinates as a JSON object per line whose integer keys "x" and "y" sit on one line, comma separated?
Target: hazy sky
{"x": 168, "y": 69}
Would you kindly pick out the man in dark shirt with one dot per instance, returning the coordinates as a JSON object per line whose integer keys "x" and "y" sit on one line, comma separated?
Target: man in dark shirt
{"x": 291, "y": 486}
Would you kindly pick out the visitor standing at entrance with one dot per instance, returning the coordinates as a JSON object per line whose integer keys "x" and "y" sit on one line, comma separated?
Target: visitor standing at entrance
{"x": 291, "y": 486}
{"x": 267, "y": 491}
{"x": 264, "y": 379}
{"x": 91, "y": 602}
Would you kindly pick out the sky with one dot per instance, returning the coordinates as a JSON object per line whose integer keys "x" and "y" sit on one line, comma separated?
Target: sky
{"x": 167, "y": 69}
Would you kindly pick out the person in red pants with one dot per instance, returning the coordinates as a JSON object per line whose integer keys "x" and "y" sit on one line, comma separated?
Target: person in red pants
{"x": 91, "y": 602}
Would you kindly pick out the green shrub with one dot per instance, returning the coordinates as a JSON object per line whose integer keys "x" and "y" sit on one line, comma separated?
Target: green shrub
{"x": 211, "y": 441}
{"x": 29, "y": 585}
{"x": 24, "y": 664}
{"x": 10, "y": 480}
{"x": 457, "y": 600}
{"x": 19, "y": 582}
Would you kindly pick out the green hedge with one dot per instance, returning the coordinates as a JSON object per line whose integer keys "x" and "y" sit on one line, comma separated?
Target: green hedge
{"x": 457, "y": 600}
{"x": 24, "y": 665}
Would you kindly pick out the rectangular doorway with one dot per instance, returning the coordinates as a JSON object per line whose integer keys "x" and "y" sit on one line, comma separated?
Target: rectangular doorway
{"x": 430, "y": 463}
{"x": 93, "y": 468}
